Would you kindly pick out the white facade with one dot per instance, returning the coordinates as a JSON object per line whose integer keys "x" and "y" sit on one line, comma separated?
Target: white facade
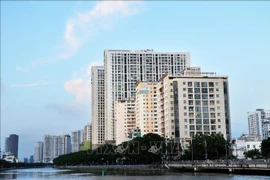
{"x": 259, "y": 123}
{"x": 76, "y": 140}
{"x": 244, "y": 144}
{"x": 195, "y": 103}
{"x": 98, "y": 106}
{"x": 38, "y": 154}
{"x": 54, "y": 146}
{"x": 88, "y": 132}
{"x": 123, "y": 68}
{"x": 125, "y": 119}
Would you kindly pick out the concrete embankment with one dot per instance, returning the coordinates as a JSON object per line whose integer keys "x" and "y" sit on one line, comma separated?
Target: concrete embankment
{"x": 131, "y": 170}
{"x": 244, "y": 169}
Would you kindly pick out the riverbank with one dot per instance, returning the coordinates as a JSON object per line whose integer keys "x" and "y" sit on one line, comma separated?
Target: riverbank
{"x": 127, "y": 170}
{"x": 228, "y": 170}
{"x": 141, "y": 170}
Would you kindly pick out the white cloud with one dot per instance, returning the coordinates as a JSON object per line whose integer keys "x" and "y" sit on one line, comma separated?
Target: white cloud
{"x": 19, "y": 68}
{"x": 80, "y": 88}
{"x": 29, "y": 85}
{"x": 84, "y": 26}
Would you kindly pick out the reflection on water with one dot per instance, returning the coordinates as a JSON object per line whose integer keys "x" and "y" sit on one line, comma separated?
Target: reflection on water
{"x": 53, "y": 174}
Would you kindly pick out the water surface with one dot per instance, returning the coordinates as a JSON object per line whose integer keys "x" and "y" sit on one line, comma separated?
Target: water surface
{"x": 54, "y": 174}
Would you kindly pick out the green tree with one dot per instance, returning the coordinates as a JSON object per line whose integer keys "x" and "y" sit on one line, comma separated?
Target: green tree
{"x": 253, "y": 154}
{"x": 204, "y": 146}
{"x": 265, "y": 148}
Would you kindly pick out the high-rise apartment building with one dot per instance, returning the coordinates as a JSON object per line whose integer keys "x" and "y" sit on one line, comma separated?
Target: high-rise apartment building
{"x": 54, "y": 146}
{"x": 123, "y": 68}
{"x": 12, "y": 144}
{"x": 38, "y": 154}
{"x": 259, "y": 123}
{"x": 146, "y": 108}
{"x": 77, "y": 138}
{"x": 7, "y": 144}
{"x": 88, "y": 132}
{"x": 194, "y": 103}
{"x": 98, "y": 106}
{"x": 125, "y": 119}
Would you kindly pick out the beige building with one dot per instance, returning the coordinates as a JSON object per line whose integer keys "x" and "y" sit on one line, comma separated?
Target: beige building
{"x": 194, "y": 103}
{"x": 125, "y": 119}
{"x": 87, "y": 133}
{"x": 146, "y": 107}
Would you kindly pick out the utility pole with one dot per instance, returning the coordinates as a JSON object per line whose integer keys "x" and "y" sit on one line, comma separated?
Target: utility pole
{"x": 192, "y": 151}
{"x": 205, "y": 149}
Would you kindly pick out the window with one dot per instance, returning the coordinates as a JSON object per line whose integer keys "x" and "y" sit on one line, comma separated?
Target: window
{"x": 217, "y": 95}
{"x": 185, "y": 126}
{"x": 205, "y": 121}
{"x": 197, "y": 90}
{"x": 197, "y": 96}
{"x": 189, "y": 84}
{"x": 248, "y": 146}
{"x": 185, "y": 120}
{"x": 196, "y": 84}
{"x": 219, "y": 120}
{"x": 191, "y": 127}
{"x": 184, "y": 83}
{"x": 219, "y": 126}
{"x": 198, "y": 121}
{"x": 191, "y": 121}
{"x": 184, "y": 95}
{"x": 204, "y": 90}
{"x": 217, "y": 89}
{"x": 184, "y": 89}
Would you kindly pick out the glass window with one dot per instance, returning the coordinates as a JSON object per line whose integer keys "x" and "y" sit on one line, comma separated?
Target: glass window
{"x": 184, "y": 83}
{"x": 197, "y": 96}
{"x": 206, "y": 128}
{"x": 191, "y": 127}
{"x": 204, "y": 84}
{"x": 196, "y": 84}
{"x": 204, "y": 96}
{"x": 190, "y": 90}
{"x": 198, "y": 127}
{"x": 197, "y": 90}
{"x": 213, "y": 121}
{"x": 204, "y": 90}
{"x": 198, "y": 102}
{"x": 198, "y": 121}
{"x": 205, "y": 103}
{"x": 198, "y": 115}
{"x": 189, "y": 84}
{"x": 191, "y": 121}
{"x": 198, "y": 109}
{"x": 205, "y": 121}
{"x": 205, "y": 115}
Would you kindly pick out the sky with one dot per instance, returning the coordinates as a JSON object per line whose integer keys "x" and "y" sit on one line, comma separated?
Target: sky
{"x": 48, "y": 48}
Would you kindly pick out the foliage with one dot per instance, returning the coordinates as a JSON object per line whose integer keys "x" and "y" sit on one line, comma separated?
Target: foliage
{"x": 253, "y": 154}
{"x": 135, "y": 151}
{"x": 265, "y": 148}
{"x": 204, "y": 146}
{"x": 85, "y": 146}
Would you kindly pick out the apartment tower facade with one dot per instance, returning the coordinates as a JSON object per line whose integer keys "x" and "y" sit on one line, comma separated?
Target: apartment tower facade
{"x": 194, "y": 103}
{"x": 38, "y": 154}
{"x": 125, "y": 119}
{"x": 98, "y": 106}
{"x": 124, "y": 68}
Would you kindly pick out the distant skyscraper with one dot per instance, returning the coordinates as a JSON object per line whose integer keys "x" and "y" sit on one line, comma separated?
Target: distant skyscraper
{"x": 54, "y": 146}
{"x": 7, "y": 144}
{"x": 98, "y": 111}
{"x": 12, "y": 144}
{"x": 88, "y": 132}
{"x": 25, "y": 160}
{"x": 124, "y": 68}
{"x": 31, "y": 159}
{"x": 38, "y": 156}
{"x": 76, "y": 140}
{"x": 259, "y": 123}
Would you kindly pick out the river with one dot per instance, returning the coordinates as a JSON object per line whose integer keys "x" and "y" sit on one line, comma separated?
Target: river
{"x": 53, "y": 174}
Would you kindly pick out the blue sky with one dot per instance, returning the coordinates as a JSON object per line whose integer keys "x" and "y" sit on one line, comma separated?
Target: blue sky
{"x": 47, "y": 49}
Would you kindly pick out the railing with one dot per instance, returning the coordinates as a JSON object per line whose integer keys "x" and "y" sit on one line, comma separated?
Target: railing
{"x": 222, "y": 163}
